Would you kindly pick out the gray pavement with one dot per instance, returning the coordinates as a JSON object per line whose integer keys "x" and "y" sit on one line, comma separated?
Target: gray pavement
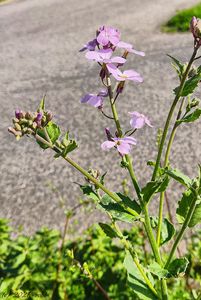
{"x": 39, "y": 54}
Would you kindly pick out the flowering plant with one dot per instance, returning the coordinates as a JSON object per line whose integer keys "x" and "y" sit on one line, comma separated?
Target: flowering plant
{"x": 147, "y": 281}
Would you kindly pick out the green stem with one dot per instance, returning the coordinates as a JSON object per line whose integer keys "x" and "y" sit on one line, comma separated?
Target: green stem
{"x": 86, "y": 174}
{"x": 162, "y": 195}
{"x": 135, "y": 259}
{"x": 181, "y": 232}
{"x": 177, "y": 97}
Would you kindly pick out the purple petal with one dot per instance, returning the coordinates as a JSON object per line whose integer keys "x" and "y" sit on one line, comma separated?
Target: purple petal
{"x": 131, "y": 73}
{"x": 102, "y": 38}
{"x": 114, "y": 40}
{"x": 105, "y": 53}
{"x": 141, "y": 53}
{"x": 93, "y": 55}
{"x": 124, "y": 148}
{"x": 91, "y": 45}
{"x": 137, "y": 123}
{"x": 86, "y": 98}
{"x": 148, "y": 122}
{"x": 130, "y": 140}
{"x": 124, "y": 45}
{"x": 95, "y": 101}
{"x": 107, "y": 145}
{"x": 135, "y": 114}
{"x": 103, "y": 93}
{"x": 118, "y": 60}
{"x": 115, "y": 72}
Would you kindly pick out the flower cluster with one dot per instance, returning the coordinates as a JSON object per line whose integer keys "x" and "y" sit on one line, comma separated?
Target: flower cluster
{"x": 101, "y": 49}
{"x": 29, "y": 122}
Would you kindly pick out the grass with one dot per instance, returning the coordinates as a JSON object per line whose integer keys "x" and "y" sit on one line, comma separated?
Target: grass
{"x": 180, "y": 22}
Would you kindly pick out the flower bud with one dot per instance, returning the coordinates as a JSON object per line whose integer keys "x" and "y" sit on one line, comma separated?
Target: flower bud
{"x": 19, "y": 114}
{"x": 120, "y": 87}
{"x": 34, "y": 125}
{"x": 18, "y": 127}
{"x": 29, "y": 115}
{"x": 195, "y": 27}
{"x": 49, "y": 116}
{"x": 15, "y": 132}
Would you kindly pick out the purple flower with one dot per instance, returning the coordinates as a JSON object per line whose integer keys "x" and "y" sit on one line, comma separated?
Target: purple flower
{"x": 123, "y": 145}
{"x": 129, "y": 48}
{"x": 108, "y": 35}
{"x": 19, "y": 114}
{"x": 126, "y": 75}
{"x": 91, "y": 46}
{"x": 95, "y": 100}
{"x": 104, "y": 56}
{"x": 138, "y": 120}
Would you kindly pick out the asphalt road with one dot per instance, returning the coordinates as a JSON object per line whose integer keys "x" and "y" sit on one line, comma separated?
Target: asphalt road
{"x": 39, "y": 54}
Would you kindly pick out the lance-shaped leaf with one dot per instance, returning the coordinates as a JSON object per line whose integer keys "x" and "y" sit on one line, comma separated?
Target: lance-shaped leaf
{"x": 108, "y": 230}
{"x": 53, "y": 131}
{"x": 153, "y": 187}
{"x": 179, "y": 67}
{"x": 118, "y": 210}
{"x": 191, "y": 117}
{"x": 167, "y": 229}
{"x": 189, "y": 85}
{"x": 179, "y": 176}
{"x": 178, "y": 267}
{"x": 184, "y": 206}
{"x": 136, "y": 281}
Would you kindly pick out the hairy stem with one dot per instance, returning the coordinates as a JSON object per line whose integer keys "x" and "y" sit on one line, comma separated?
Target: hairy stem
{"x": 167, "y": 154}
{"x": 182, "y": 231}
{"x": 169, "y": 117}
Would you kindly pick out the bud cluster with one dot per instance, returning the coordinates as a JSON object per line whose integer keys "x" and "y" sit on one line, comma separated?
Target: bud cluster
{"x": 29, "y": 122}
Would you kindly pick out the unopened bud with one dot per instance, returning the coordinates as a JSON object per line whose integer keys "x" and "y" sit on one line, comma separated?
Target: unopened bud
{"x": 29, "y": 115}
{"x": 15, "y": 132}
{"x": 195, "y": 27}
{"x": 19, "y": 114}
{"x": 24, "y": 130}
{"x": 49, "y": 116}
{"x": 120, "y": 87}
{"x": 18, "y": 127}
{"x": 34, "y": 125}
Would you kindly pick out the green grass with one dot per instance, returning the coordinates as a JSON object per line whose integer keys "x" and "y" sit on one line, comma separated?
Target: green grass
{"x": 180, "y": 22}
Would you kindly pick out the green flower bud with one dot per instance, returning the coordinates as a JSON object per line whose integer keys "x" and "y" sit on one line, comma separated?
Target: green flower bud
{"x": 17, "y": 127}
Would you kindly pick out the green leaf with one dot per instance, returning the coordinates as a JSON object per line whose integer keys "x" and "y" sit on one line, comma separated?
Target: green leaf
{"x": 118, "y": 211}
{"x": 42, "y": 104}
{"x": 153, "y": 187}
{"x": 157, "y": 270}
{"x": 53, "y": 131}
{"x": 184, "y": 206}
{"x": 179, "y": 176}
{"x": 72, "y": 145}
{"x": 167, "y": 229}
{"x": 178, "y": 266}
{"x": 190, "y": 85}
{"x": 191, "y": 117}
{"x": 179, "y": 67}
{"x": 19, "y": 260}
{"x": 108, "y": 230}
{"x": 89, "y": 192}
{"x": 136, "y": 281}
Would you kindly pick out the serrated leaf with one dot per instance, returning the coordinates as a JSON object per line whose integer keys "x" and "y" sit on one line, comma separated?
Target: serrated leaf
{"x": 179, "y": 176}
{"x": 189, "y": 85}
{"x": 184, "y": 206}
{"x": 167, "y": 229}
{"x": 153, "y": 187}
{"x": 117, "y": 210}
{"x": 178, "y": 266}
{"x": 191, "y": 117}
{"x": 108, "y": 230}
{"x": 136, "y": 281}
{"x": 53, "y": 131}
{"x": 179, "y": 67}
{"x": 72, "y": 145}
{"x": 157, "y": 270}
{"x": 89, "y": 192}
